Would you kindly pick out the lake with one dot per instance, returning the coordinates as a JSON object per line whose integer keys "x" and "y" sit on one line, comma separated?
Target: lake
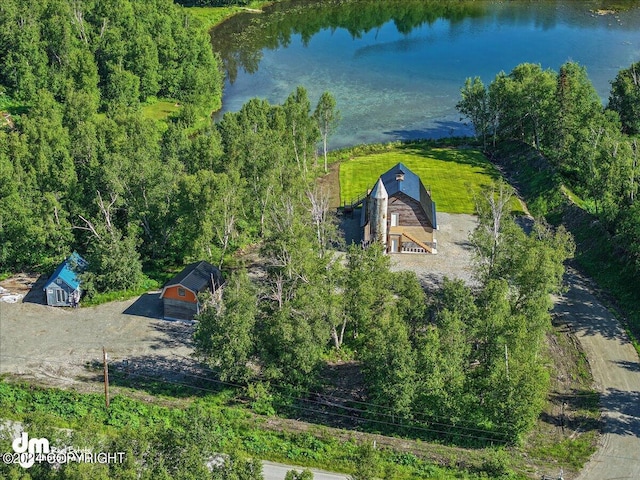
{"x": 396, "y": 67}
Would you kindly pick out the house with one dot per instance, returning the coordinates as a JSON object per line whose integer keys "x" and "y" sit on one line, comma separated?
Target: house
{"x": 63, "y": 287}
{"x": 180, "y": 294}
{"x": 399, "y": 213}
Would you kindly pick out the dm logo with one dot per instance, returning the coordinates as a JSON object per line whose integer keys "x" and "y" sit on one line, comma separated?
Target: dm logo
{"x": 28, "y": 448}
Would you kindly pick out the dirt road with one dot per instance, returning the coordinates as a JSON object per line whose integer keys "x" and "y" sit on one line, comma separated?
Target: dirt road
{"x": 616, "y": 372}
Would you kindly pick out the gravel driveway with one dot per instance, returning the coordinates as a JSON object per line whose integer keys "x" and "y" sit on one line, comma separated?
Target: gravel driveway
{"x": 454, "y": 255}
{"x": 56, "y": 344}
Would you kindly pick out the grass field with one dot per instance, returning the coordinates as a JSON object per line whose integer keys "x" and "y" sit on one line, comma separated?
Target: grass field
{"x": 160, "y": 109}
{"x": 454, "y": 176}
{"x": 209, "y": 17}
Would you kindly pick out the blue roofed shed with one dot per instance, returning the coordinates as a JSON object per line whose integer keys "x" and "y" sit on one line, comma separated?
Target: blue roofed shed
{"x": 63, "y": 287}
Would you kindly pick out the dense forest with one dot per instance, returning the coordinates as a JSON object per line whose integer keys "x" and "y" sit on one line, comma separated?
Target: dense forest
{"x": 81, "y": 166}
{"x": 593, "y": 149}
{"x": 436, "y": 362}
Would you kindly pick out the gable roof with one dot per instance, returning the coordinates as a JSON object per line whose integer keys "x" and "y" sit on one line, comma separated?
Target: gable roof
{"x": 68, "y": 271}
{"x": 195, "y": 277}
{"x": 410, "y": 185}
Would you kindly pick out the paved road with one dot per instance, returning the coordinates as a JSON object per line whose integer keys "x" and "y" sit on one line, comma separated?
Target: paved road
{"x": 616, "y": 372}
{"x": 277, "y": 471}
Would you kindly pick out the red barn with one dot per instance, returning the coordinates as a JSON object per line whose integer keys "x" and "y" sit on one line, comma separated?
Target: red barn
{"x": 180, "y": 294}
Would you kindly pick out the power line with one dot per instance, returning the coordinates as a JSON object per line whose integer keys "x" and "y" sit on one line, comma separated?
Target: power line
{"x": 382, "y": 407}
{"x": 366, "y": 413}
{"x": 411, "y": 427}
{"x": 298, "y": 407}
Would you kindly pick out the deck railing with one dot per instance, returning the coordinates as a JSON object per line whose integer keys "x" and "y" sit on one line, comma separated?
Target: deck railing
{"x": 354, "y": 202}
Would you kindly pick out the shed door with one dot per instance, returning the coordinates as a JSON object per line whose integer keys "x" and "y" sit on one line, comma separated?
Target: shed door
{"x": 61, "y": 296}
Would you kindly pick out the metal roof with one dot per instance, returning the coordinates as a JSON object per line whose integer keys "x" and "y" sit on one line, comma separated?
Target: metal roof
{"x": 68, "y": 271}
{"x": 400, "y": 179}
{"x": 196, "y": 277}
{"x": 379, "y": 191}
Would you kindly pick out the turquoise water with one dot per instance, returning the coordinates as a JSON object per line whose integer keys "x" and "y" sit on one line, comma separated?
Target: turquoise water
{"x": 398, "y": 77}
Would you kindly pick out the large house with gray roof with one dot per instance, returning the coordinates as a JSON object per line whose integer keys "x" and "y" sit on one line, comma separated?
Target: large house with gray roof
{"x": 399, "y": 213}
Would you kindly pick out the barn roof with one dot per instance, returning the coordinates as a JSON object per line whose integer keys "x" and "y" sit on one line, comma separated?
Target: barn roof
{"x": 68, "y": 271}
{"x": 196, "y": 277}
{"x": 400, "y": 179}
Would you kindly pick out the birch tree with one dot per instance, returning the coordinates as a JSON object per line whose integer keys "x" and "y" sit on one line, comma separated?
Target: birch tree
{"x": 327, "y": 117}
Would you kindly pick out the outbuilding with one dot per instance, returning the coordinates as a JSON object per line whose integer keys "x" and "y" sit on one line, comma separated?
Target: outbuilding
{"x": 180, "y": 294}
{"x": 63, "y": 287}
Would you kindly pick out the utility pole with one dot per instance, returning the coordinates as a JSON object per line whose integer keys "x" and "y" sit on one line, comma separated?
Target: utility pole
{"x": 106, "y": 378}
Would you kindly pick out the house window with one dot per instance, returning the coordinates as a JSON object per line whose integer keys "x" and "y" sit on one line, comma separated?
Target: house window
{"x": 181, "y": 292}
{"x": 394, "y": 219}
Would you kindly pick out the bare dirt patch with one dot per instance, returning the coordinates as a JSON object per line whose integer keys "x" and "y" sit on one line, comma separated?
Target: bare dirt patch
{"x": 20, "y": 283}
{"x": 331, "y": 183}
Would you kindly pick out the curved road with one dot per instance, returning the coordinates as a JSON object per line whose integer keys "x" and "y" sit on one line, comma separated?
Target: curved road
{"x": 616, "y": 373}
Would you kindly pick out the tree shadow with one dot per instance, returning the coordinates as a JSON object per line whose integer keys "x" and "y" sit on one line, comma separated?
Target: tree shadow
{"x": 525, "y": 223}
{"x": 583, "y": 313}
{"x": 148, "y": 305}
{"x": 178, "y": 377}
{"x": 176, "y": 333}
{"x": 350, "y": 226}
{"x": 571, "y": 408}
{"x": 632, "y": 366}
{"x": 622, "y": 412}
{"x": 160, "y": 370}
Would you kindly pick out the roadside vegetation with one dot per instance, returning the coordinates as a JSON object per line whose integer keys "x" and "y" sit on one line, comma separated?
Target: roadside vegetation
{"x": 575, "y": 161}
{"x": 176, "y": 442}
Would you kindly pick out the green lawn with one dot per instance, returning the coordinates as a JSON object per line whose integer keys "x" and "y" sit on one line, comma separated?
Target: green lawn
{"x": 454, "y": 176}
{"x": 209, "y": 17}
{"x": 160, "y": 109}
